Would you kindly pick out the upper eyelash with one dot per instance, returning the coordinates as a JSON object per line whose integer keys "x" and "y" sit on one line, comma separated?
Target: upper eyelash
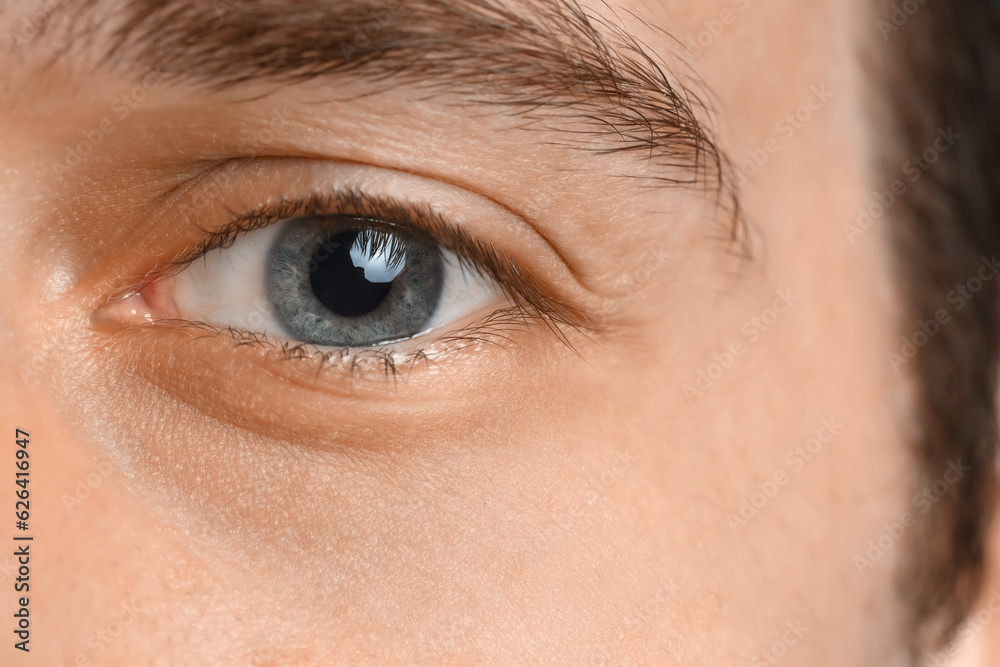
{"x": 529, "y": 300}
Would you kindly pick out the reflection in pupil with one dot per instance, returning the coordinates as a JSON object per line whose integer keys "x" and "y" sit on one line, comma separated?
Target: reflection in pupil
{"x": 353, "y": 275}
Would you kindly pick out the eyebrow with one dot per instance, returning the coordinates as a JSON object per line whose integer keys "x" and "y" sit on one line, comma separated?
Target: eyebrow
{"x": 542, "y": 61}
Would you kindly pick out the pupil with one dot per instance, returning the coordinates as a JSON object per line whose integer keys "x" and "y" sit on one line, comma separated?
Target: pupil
{"x": 355, "y": 271}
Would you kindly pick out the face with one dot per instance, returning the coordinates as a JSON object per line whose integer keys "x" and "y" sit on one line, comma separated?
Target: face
{"x": 442, "y": 352}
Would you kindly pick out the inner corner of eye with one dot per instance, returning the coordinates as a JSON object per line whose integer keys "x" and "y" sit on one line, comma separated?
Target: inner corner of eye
{"x": 143, "y": 306}
{"x": 131, "y": 309}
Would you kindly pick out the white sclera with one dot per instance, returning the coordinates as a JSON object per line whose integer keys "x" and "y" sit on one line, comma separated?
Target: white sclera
{"x": 228, "y": 288}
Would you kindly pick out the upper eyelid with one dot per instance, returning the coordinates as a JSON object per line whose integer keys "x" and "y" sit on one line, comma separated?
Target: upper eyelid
{"x": 475, "y": 253}
{"x": 352, "y": 203}
{"x": 472, "y": 252}
{"x": 457, "y": 238}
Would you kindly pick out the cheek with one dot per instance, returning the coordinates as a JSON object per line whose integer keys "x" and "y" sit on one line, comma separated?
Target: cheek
{"x": 765, "y": 469}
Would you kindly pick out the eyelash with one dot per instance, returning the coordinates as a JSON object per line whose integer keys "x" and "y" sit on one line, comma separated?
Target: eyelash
{"x": 530, "y": 302}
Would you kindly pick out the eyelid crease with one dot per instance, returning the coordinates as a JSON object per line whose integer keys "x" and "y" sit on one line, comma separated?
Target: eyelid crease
{"x": 458, "y": 183}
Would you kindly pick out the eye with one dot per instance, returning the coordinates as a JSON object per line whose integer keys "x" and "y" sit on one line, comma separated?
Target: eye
{"x": 355, "y": 270}
{"x": 329, "y": 280}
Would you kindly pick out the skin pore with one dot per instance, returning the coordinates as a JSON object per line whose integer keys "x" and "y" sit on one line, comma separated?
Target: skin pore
{"x": 675, "y": 446}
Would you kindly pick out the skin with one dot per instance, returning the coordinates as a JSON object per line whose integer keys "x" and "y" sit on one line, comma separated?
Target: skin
{"x": 516, "y": 502}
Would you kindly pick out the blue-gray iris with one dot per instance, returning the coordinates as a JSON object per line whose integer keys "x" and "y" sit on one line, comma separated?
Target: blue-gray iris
{"x": 352, "y": 282}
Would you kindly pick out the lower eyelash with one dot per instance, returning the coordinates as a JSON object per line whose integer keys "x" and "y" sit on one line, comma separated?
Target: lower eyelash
{"x": 497, "y": 328}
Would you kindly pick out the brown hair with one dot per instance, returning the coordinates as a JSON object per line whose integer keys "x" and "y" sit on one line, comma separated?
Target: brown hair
{"x": 939, "y": 72}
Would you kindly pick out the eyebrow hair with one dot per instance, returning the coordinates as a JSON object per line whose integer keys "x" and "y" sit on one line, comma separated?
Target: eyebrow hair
{"x": 608, "y": 92}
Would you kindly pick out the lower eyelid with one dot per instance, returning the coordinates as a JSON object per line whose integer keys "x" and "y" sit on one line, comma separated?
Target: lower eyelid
{"x": 483, "y": 327}
{"x": 314, "y": 366}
